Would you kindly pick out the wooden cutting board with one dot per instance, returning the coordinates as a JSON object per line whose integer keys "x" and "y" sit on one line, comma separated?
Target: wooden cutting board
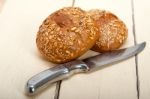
{"x": 19, "y": 58}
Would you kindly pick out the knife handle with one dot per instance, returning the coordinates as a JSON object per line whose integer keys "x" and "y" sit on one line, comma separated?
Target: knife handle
{"x": 44, "y": 78}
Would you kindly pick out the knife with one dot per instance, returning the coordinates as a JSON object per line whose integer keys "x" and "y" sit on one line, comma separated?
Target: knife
{"x": 62, "y": 71}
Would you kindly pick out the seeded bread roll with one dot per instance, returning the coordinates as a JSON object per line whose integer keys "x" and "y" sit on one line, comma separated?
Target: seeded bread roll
{"x": 113, "y": 31}
{"x": 66, "y": 34}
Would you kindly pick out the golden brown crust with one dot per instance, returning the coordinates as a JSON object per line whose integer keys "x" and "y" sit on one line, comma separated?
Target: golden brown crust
{"x": 66, "y": 34}
{"x": 113, "y": 31}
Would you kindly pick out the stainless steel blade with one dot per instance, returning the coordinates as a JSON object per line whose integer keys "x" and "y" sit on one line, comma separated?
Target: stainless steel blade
{"x": 113, "y": 56}
{"x": 65, "y": 70}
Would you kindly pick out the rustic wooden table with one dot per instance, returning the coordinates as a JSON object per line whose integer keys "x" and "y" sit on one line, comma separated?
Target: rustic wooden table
{"x": 19, "y": 59}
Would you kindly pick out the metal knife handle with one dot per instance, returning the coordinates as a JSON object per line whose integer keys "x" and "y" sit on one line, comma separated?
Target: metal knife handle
{"x": 54, "y": 74}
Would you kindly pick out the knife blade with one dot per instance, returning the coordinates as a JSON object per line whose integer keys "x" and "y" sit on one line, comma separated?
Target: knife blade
{"x": 62, "y": 71}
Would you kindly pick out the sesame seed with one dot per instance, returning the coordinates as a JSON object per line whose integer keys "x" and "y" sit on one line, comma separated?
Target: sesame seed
{"x": 72, "y": 29}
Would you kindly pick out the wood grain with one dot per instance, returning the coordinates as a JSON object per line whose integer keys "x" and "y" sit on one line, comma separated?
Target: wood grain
{"x": 142, "y": 23}
{"x": 20, "y": 60}
{"x": 113, "y": 82}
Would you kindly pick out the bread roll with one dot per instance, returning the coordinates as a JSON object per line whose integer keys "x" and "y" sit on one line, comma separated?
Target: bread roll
{"x": 113, "y": 31}
{"x": 66, "y": 34}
